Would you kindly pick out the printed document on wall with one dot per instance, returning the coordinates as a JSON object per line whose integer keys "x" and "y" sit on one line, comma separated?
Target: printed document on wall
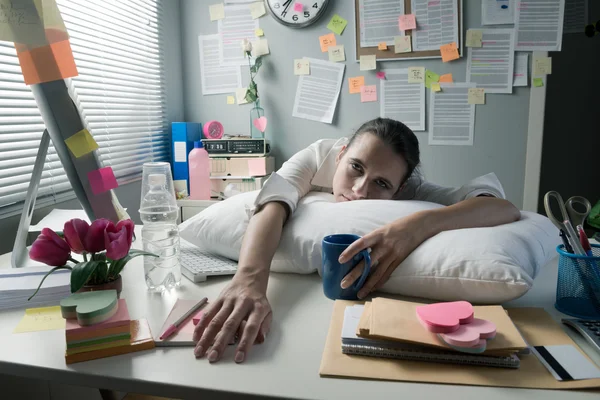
{"x": 539, "y": 25}
{"x": 498, "y": 12}
{"x": 215, "y": 78}
{"x": 491, "y": 66}
{"x": 437, "y": 23}
{"x": 451, "y": 117}
{"x": 521, "y": 76}
{"x": 576, "y": 16}
{"x": 317, "y": 94}
{"x": 401, "y": 100}
{"x": 237, "y": 25}
{"x": 379, "y": 21}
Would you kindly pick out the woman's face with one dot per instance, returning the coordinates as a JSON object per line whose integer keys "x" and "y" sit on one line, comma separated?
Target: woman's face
{"x": 368, "y": 169}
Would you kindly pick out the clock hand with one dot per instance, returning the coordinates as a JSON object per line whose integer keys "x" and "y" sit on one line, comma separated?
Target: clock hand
{"x": 287, "y": 4}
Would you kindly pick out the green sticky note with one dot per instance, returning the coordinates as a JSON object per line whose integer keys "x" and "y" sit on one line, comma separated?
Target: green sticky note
{"x": 430, "y": 77}
{"x": 337, "y": 24}
{"x": 538, "y": 82}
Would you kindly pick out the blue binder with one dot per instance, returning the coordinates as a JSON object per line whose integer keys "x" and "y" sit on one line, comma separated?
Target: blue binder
{"x": 183, "y": 135}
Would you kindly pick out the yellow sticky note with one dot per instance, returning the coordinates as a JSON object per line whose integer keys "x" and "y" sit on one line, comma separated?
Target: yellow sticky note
{"x": 474, "y": 37}
{"x": 402, "y": 44}
{"x": 382, "y": 46}
{"x": 337, "y": 24}
{"x": 240, "y": 94}
{"x": 257, "y": 9}
{"x": 217, "y": 11}
{"x": 431, "y": 77}
{"x": 446, "y": 78}
{"x": 230, "y": 100}
{"x": 25, "y": 22}
{"x": 336, "y": 53}
{"x": 259, "y": 32}
{"x": 41, "y": 319}
{"x": 301, "y": 67}
{"x": 476, "y": 96}
{"x": 449, "y": 52}
{"x": 436, "y": 87}
{"x": 368, "y": 63}
{"x": 538, "y": 82}
{"x": 354, "y": 84}
{"x": 542, "y": 66}
{"x": 326, "y": 41}
{"x": 260, "y": 47}
{"x": 81, "y": 143}
{"x": 416, "y": 74}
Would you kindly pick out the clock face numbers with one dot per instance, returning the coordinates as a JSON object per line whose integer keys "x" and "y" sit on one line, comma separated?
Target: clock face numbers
{"x": 296, "y": 14}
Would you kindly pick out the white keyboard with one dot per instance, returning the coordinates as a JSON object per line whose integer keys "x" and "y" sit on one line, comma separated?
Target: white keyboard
{"x": 197, "y": 263}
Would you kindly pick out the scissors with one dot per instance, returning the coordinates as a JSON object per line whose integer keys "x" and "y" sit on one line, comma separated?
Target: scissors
{"x": 569, "y": 216}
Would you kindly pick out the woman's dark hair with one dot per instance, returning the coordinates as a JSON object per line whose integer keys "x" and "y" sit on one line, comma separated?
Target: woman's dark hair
{"x": 396, "y": 135}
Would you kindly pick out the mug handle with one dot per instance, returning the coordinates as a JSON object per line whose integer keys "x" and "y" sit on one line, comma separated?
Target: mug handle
{"x": 366, "y": 270}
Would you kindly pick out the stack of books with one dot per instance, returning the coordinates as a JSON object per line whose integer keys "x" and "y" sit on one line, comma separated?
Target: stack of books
{"x": 244, "y": 174}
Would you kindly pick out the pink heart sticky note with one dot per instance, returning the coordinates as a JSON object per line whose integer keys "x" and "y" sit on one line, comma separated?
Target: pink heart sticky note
{"x": 260, "y": 123}
{"x": 380, "y": 74}
{"x": 445, "y": 317}
{"x": 407, "y": 22}
{"x": 470, "y": 334}
{"x": 298, "y": 7}
{"x": 477, "y": 349}
{"x": 102, "y": 180}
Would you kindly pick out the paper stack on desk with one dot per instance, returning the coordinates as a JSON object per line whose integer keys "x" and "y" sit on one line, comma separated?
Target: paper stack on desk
{"x": 18, "y": 284}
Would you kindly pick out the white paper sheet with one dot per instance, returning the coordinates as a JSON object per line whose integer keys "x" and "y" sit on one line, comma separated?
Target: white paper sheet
{"x": 576, "y": 16}
{"x": 437, "y": 24}
{"x": 214, "y": 77}
{"x": 401, "y": 100}
{"x": 379, "y": 21}
{"x": 451, "y": 117}
{"x": 491, "y": 66}
{"x": 56, "y": 219}
{"x": 521, "y": 72}
{"x": 317, "y": 94}
{"x": 237, "y": 25}
{"x": 539, "y": 25}
{"x": 498, "y": 12}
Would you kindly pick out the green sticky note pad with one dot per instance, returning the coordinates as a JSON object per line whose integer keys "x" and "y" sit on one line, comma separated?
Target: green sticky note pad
{"x": 90, "y": 308}
{"x": 337, "y": 24}
{"x": 81, "y": 143}
{"x": 430, "y": 77}
{"x": 538, "y": 82}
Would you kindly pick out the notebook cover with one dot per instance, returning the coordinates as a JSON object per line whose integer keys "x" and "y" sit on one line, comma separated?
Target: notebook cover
{"x": 100, "y": 333}
{"x": 183, "y": 336}
{"x": 121, "y": 318}
{"x": 141, "y": 339}
{"x": 536, "y": 325}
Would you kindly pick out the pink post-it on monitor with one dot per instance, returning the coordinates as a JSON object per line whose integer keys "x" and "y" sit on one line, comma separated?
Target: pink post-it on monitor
{"x": 299, "y": 7}
{"x": 102, "y": 180}
{"x": 380, "y": 74}
{"x": 407, "y": 22}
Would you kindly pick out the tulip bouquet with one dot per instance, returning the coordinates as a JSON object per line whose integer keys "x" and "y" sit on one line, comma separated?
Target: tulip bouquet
{"x": 105, "y": 247}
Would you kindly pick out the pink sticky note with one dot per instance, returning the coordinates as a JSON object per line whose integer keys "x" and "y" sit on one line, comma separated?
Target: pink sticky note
{"x": 380, "y": 74}
{"x": 368, "y": 93}
{"x": 299, "y": 7}
{"x": 445, "y": 317}
{"x": 102, "y": 180}
{"x": 407, "y": 22}
{"x": 196, "y": 318}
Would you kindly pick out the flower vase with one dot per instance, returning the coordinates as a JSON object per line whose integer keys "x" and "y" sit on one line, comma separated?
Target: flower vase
{"x": 256, "y": 112}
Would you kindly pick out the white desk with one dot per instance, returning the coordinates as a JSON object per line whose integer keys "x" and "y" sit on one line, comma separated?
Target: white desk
{"x": 285, "y": 366}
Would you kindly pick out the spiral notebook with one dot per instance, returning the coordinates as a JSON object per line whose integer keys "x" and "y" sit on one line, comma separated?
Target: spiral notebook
{"x": 355, "y": 345}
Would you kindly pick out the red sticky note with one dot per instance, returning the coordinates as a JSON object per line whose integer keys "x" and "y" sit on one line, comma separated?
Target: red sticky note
{"x": 52, "y": 62}
{"x": 380, "y": 74}
{"x": 298, "y": 7}
{"x": 407, "y": 22}
{"x": 449, "y": 52}
{"x": 368, "y": 93}
{"x": 446, "y": 78}
{"x": 102, "y": 180}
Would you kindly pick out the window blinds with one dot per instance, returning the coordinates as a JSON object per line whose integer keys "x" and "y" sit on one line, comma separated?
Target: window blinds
{"x": 119, "y": 91}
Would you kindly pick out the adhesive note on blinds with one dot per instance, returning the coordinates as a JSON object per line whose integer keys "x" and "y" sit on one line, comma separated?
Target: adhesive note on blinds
{"x": 430, "y": 77}
{"x": 446, "y": 78}
{"x": 402, "y": 44}
{"x": 260, "y": 47}
{"x": 382, "y": 46}
{"x": 317, "y": 94}
{"x": 474, "y": 38}
{"x": 237, "y": 25}
{"x": 81, "y": 143}
{"x": 41, "y": 319}
{"x": 576, "y": 16}
{"x": 520, "y": 74}
{"x": 25, "y": 22}
{"x": 437, "y": 23}
{"x": 216, "y": 11}
{"x": 498, "y": 12}
{"x": 46, "y": 63}
{"x": 379, "y": 21}
{"x": 542, "y": 66}
{"x": 491, "y": 66}
{"x": 538, "y": 82}
{"x": 337, "y": 24}
{"x": 214, "y": 78}
{"x": 257, "y": 9}
{"x": 368, "y": 93}
{"x": 380, "y": 74}
{"x": 301, "y": 66}
{"x": 368, "y": 63}
{"x": 180, "y": 151}
{"x": 354, "y": 84}
{"x": 449, "y": 52}
{"x": 326, "y": 41}
{"x": 476, "y": 96}
{"x": 451, "y": 117}
{"x": 230, "y": 100}
{"x": 401, "y": 100}
{"x": 435, "y": 87}
{"x": 416, "y": 74}
{"x": 240, "y": 94}
{"x": 259, "y": 32}
{"x": 102, "y": 180}
{"x": 407, "y": 22}
{"x": 336, "y": 53}
{"x": 539, "y": 25}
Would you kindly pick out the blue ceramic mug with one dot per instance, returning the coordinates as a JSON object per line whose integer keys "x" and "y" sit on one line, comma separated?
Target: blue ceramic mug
{"x": 333, "y": 271}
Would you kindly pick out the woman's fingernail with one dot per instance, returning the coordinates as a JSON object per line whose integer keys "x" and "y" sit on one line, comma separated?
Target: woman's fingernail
{"x": 341, "y": 259}
{"x": 213, "y": 356}
{"x": 361, "y": 294}
{"x": 199, "y": 352}
{"x": 239, "y": 357}
{"x": 344, "y": 283}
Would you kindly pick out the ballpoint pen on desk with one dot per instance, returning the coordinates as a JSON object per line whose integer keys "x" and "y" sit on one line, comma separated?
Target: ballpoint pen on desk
{"x": 175, "y": 325}
{"x": 565, "y": 241}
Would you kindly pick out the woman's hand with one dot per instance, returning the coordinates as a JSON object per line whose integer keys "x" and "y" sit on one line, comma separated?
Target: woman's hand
{"x": 242, "y": 308}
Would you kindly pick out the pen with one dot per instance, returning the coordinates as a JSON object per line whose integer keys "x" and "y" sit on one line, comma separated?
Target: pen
{"x": 568, "y": 247}
{"x": 585, "y": 243}
{"x": 175, "y": 325}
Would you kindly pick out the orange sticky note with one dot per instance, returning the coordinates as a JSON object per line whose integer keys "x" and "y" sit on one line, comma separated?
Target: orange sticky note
{"x": 407, "y": 22}
{"x": 102, "y": 180}
{"x": 354, "y": 84}
{"x": 368, "y": 93}
{"x": 47, "y": 63}
{"x": 449, "y": 52}
{"x": 447, "y": 78}
{"x": 326, "y": 41}
{"x": 382, "y": 46}
{"x": 81, "y": 143}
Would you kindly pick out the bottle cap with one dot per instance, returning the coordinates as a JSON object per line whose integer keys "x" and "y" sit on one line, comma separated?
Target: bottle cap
{"x": 198, "y": 144}
{"x": 157, "y": 179}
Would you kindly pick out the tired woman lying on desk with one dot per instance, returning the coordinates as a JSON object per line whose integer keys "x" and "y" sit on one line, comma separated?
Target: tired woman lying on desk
{"x": 377, "y": 162}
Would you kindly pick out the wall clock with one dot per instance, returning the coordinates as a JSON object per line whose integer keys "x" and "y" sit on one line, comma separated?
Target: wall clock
{"x": 297, "y": 13}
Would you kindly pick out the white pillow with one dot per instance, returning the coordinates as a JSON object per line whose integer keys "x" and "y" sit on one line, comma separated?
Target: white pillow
{"x": 480, "y": 265}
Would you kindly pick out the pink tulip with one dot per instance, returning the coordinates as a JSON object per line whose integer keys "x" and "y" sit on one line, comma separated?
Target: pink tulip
{"x": 117, "y": 239}
{"x": 94, "y": 239}
{"x": 75, "y": 232}
{"x": 50, "y": 249}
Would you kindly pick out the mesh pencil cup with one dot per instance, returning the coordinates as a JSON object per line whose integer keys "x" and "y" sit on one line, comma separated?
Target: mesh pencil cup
{"x": 578, "y": 285}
